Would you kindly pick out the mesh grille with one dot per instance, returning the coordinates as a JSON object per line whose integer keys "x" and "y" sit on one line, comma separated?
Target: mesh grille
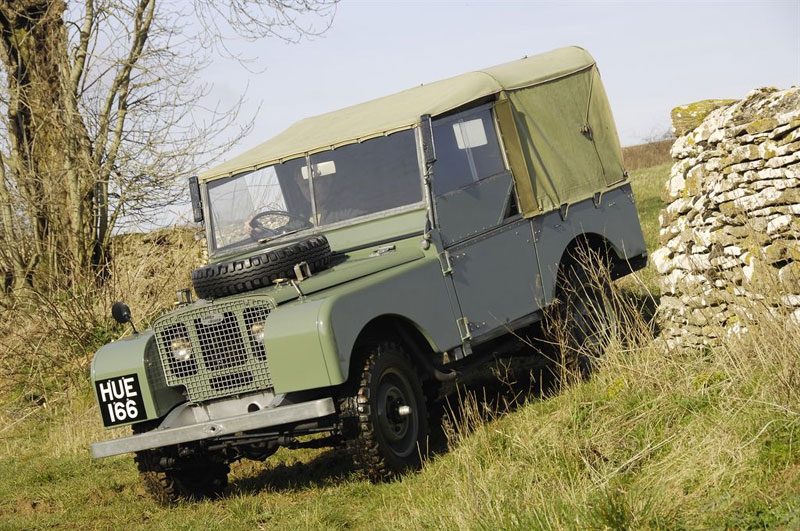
{"x": 217, "y": 351}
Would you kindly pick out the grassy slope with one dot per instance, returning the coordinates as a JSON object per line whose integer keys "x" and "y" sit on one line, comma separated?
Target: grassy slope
{"x": 706, "y": 440}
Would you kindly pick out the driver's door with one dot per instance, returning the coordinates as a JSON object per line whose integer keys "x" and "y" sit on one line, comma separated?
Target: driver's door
{"x": 488, "y": 245}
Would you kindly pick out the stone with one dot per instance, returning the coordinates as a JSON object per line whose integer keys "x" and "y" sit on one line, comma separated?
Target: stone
{"x": 688, "y": 117}
{"x": 790, "y": 274}
{"x": 725, "y": 262}
{"x": 684, "y": 147}
{"x": 732, "y": 250}
{"x": 678, "y": 207}
{"x": 744, "y": 153}
{"x": 742, "y": 167}
{"x": 762, "y": 125}
{"x": 791, "y": 300}
{"x": 675, "y": 186}
{"x": 780, "y": 184}
{"x": 781, "y": 251}
{"x": 790, "y": 130}
{"x": 661, "y": 260}
{"x": 777, "y": 162}
{"x": 779, "y": 223}
{"x": 730, "y": 232}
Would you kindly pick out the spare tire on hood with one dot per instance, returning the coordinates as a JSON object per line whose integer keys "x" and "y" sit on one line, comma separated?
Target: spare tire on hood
{"x": 245, "y": 274}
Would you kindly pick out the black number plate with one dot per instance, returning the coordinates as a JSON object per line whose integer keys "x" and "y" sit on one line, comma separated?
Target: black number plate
{"x": 120, "y": 400}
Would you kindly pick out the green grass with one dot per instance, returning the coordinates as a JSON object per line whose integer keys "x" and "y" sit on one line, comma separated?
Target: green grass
{"x": 647, "y": 184}
{"x": 684, "y": 441}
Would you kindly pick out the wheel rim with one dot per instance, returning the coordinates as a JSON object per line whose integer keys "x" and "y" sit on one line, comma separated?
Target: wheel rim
{"x": 400, "y": 431}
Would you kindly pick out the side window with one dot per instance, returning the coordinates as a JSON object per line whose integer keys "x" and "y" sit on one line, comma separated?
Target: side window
{"x": 467, "y": 150}
{"x": 359, "y": 179}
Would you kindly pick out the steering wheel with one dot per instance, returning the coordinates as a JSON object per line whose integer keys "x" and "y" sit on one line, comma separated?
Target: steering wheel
{"x": 259, "y": 231}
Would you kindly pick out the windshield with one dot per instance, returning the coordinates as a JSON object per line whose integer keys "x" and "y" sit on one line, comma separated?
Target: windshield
{"x": 349, "y": 182}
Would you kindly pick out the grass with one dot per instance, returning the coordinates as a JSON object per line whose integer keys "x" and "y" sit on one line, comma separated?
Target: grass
{"x": 692, "y": 440}
{"x": 647, "y": 155}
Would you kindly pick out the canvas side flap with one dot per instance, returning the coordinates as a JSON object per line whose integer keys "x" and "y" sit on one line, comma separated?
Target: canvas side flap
{"x": 604, "y": 132}
{"x": 523, "y": 184}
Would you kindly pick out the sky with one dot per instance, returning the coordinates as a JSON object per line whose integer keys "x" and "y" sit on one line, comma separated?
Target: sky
{"x": 652, "y": 56}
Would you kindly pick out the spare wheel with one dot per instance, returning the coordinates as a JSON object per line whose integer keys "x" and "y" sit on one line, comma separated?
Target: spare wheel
{"x": 238, "y": 276}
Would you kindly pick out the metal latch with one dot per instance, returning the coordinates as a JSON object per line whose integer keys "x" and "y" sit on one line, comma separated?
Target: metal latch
{"x": 463, "y": 328}
{"x": 302, "y": 271}
{"x": 444, "y": 261}
{"x": 382, "y": 250}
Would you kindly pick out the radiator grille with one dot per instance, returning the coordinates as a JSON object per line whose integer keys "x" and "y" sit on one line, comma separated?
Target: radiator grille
{"x": 219, "y": 355}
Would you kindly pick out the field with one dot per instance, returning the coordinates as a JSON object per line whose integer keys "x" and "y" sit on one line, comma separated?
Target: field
{"x": 684, "y": 440}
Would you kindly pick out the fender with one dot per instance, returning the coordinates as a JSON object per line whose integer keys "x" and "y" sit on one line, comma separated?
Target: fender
{"x": 137, "y": 354}
{"x": 611, "y": 218}
{"x": 309, "y": 342}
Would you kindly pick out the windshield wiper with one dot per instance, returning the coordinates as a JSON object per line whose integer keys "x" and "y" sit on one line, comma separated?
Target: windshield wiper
{"x": 280, "y": 236}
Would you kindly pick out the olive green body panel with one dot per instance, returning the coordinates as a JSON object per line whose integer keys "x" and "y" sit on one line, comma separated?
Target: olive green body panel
{"x": 309, "y": 341}
{"x": 385, "y": 228}
{"x": 473, "y": 209}
{"x": 416, "y": 292}
{"x": 613, "y": 217}
{"x": 496, "y": 277}
{"x": 138, "y": 354}
{"x": 297, "y": 360}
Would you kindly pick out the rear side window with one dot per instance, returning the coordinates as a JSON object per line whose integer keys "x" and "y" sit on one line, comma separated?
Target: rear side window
{"x": 467, "y": 150}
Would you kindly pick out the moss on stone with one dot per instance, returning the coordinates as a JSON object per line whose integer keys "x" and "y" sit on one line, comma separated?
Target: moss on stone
{"x": 761, "y": 125}
{"x": 688, "y": 117}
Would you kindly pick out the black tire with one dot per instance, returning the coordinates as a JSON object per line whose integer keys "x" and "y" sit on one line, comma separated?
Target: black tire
{"x": 383, "y": 442}
{"x": 584, "y": 315}
{"x": 591, "y": 320}
{"x": 239, "y": 276}
{"x": 201, "y": 477}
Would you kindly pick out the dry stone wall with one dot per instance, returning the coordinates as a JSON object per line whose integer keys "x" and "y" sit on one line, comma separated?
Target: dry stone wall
{"x": 730, "y": 234}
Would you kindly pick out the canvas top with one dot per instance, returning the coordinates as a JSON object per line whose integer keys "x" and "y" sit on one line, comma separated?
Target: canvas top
{"x": 403, "y": 110}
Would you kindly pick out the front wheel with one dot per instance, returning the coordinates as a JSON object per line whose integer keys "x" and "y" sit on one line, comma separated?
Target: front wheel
{"x": 391, "y": 430}
{"x": 201, "y": 477}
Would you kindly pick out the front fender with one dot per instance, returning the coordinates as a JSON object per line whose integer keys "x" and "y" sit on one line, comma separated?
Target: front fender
{"x": 309, "y": 342}
{"x": 137, "y": 354}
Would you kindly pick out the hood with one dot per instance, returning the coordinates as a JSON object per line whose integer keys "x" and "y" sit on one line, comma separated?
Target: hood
{"x": 352, "y": 266}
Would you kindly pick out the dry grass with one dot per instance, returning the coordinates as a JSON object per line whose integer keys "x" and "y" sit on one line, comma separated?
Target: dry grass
{"x": 704, "y": 439}
{"x": 647, "y": 155}
{"x": 47, "y": 340}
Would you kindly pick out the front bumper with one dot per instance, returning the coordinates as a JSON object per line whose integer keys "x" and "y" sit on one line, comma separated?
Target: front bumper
{"x": 264, "y": 418}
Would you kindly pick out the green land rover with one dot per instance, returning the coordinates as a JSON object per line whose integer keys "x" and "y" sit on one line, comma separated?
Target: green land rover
{"x": 361, "y": 258}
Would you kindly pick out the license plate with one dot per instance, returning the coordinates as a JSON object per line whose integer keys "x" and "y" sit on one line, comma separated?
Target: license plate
{"x": 120, "y": 400}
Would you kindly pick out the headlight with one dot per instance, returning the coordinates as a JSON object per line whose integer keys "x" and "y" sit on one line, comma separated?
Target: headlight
{"x": 181, "y": 349}
{"x": 257, "y": 330}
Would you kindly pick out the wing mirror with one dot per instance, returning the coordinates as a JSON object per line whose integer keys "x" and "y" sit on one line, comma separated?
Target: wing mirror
{"x": 428, "y": 148}
{"x": 122, "y": 314}
{"x": 197, "y": 201}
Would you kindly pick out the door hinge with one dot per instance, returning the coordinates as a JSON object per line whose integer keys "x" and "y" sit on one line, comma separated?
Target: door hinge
{"x": 463, "y": 328}
{"x": 444, "y": 261}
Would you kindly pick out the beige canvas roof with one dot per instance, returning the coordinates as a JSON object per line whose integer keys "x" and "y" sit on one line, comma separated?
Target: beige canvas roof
{"x": 402, "y": 110}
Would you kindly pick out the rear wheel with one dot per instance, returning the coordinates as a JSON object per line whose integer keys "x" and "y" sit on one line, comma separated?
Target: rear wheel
{"x": 584, "y": 318}
{"x": 391, "y": 428}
